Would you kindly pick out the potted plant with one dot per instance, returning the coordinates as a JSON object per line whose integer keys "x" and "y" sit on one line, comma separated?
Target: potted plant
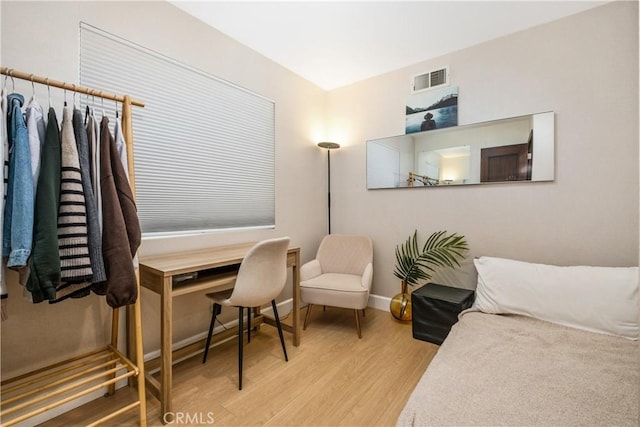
{"x": 414, "y": 265}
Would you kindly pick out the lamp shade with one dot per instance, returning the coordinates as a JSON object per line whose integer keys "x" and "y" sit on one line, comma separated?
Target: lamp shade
{"x": 328, "y": 145}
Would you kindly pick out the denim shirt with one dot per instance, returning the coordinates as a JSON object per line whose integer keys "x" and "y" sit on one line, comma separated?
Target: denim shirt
{"x": 17, "y": 232}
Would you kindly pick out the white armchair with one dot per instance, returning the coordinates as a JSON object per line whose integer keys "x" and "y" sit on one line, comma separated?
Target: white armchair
{"x": 340, "y": 276}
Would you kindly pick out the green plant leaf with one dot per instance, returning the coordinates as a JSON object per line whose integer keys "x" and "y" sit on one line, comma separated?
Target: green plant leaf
{"x": 439, "y": 251}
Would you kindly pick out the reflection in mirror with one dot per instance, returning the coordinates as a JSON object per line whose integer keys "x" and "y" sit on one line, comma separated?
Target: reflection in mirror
{"x": 514, "y": 149}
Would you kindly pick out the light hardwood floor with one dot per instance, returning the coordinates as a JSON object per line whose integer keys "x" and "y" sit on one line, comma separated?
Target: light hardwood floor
{"x": 332, "y": 379}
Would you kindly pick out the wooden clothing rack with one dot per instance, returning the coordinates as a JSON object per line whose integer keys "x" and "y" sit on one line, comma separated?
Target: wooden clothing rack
{"x": 49, "y": 387}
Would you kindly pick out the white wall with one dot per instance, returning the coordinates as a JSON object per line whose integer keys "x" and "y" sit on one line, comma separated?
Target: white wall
{"x": 585, "y": 68}
{"x": 42, "y": 38}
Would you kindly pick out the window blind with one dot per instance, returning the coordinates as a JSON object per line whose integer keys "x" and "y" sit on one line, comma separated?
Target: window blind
{"x": 204, "y": 148}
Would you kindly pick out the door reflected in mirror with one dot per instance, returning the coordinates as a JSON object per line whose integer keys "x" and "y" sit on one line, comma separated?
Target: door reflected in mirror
{"x": 518, "y": 149}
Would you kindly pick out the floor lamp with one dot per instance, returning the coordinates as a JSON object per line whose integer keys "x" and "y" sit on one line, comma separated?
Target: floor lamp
{"x": 329, "y": 146}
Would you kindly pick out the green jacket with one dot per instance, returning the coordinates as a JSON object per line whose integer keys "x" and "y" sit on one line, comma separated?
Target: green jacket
{"x": 45, "y": 260}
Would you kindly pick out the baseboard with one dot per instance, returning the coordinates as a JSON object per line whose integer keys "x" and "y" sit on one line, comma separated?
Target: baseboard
{"x": 379, "y": 302}
{"x": 375, "y": 301}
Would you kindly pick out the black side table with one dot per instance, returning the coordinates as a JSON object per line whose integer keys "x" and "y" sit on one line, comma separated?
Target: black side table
{"x": 435, "y": 310}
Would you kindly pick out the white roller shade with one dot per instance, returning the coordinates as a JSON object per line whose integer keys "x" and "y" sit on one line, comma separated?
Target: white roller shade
{"x": 203, "y": 147}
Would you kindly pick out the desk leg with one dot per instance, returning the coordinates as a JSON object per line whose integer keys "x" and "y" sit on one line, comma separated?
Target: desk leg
{"x": 296, "y": 300}
{"x": 166, "y": 338}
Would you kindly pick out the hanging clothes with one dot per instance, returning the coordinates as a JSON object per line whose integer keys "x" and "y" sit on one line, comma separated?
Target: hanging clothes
{"x": 95, "y": 234}
{"x": 73, "y": 240}
{"x": 121, "y": 145}
{"x": 45, "y": 258}
{"x": 36, "y": 128}
{"x": 19, "y": 207}
{"x": 4, "y": 294}
{"x": 93, "y": 136}
{"x": 121, "y": 229}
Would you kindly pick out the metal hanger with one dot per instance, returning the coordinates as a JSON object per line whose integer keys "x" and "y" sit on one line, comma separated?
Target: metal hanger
{"x": 49, "y": 91}
{"x": 33, "y": 87}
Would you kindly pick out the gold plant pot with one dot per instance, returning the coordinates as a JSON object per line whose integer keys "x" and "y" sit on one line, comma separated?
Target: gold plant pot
{"x": 400, "y": 306}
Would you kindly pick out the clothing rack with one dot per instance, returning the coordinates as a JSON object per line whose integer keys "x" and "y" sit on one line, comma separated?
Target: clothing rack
{"x": 49, "y": 387}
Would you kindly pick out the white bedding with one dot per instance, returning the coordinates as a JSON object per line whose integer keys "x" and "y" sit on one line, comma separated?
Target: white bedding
{"x": 596, "y": 299}
{"x": 518, "y": 371}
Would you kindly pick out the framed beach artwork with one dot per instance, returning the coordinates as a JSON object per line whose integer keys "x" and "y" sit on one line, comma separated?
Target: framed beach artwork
{"x": 432, "y": 109}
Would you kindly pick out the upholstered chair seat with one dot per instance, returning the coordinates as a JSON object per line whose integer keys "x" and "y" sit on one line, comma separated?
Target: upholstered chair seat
{"x": 337, "y": 290}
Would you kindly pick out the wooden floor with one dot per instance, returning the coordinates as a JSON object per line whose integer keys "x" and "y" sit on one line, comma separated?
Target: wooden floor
{"x": 332, "y": 379}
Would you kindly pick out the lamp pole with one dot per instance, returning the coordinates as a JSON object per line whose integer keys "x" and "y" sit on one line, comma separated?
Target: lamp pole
{"x": 329, "y": 146}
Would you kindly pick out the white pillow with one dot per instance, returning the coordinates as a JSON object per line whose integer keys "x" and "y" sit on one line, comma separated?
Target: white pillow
{"x": 596, "y": 299}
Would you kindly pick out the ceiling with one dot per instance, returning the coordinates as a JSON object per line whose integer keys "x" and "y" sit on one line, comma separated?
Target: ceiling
{"x": 335, "y": 43}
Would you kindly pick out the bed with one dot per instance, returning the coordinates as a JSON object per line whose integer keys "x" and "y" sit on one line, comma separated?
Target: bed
{"x": 542, "y": 346}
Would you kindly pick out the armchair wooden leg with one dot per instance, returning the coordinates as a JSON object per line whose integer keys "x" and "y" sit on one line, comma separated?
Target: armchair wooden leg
{"x": 307, "y": 317}
{"x": 358, "y": 323}
{"x": 363, "y": 314}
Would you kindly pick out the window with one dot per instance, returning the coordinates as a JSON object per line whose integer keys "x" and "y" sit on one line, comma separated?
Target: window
{"x": 203, "y": 148}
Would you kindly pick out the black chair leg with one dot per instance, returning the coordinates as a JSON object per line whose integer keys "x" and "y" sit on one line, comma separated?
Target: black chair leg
{"x": 275, "y": 314}
{"x": 248, "y": 324}
{"x": 216, "y": 309}
{"x": 240, "y": 333}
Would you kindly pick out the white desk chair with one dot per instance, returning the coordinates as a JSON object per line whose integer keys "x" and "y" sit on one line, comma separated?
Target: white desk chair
{"x": 261, "y": 278}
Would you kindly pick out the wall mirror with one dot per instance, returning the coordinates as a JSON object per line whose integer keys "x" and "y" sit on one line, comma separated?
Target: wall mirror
{"x": 518, "y": 149}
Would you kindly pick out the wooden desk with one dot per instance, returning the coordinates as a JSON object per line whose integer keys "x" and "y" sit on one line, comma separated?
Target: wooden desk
{"x": 156, "y": 274}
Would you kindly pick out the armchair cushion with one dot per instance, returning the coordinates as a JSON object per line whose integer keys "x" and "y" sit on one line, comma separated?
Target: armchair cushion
{"x": 348, "y": 254}
{"x": 336, "y": 290}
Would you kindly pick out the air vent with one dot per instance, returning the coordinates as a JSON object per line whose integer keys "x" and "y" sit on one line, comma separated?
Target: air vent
{"x": 430, "y": 79}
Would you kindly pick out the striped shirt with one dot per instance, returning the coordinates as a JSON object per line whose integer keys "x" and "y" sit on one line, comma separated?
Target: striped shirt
{"x": 75, "y": 264}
